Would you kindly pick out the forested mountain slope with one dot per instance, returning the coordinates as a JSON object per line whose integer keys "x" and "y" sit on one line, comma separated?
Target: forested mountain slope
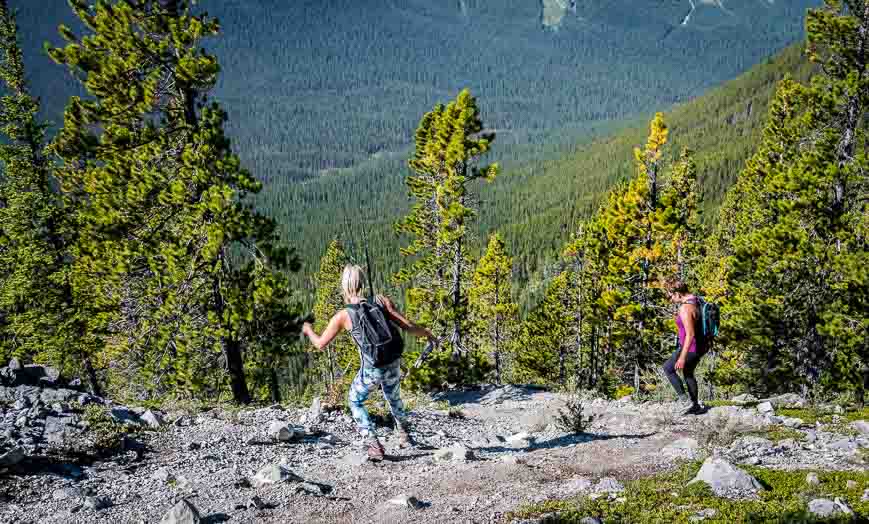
{"x": 537, "y": 207}
{"x": 314, "y": 85}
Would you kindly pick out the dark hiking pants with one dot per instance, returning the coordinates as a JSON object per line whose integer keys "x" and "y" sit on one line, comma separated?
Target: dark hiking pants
{"x": 691, "y": 361}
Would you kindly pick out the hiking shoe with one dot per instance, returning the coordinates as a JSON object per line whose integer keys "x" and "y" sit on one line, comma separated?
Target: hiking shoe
{"x": 404, "y": 438}
{"x": 696, "y": 409}
{"x": 375, "y": 449}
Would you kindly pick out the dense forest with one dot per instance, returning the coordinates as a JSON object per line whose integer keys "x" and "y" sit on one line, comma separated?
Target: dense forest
{"x": 135, "y": 253}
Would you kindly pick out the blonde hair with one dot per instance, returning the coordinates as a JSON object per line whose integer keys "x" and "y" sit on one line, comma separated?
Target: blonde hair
{"x": 352, "y": 282}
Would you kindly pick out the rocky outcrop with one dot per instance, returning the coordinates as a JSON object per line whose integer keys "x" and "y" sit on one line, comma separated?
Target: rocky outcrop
{"x": 726, "y": 480}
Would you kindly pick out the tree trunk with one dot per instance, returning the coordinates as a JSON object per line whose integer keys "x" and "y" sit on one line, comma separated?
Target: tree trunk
{"x": 92, "y": 376}
{"x": 230, "y": 345}
{"x": 274, "y": 386}
{"x": 497, "y": 331}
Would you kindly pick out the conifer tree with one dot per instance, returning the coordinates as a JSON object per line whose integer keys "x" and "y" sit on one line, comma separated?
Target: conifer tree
{"x": 796, "y": 286}
{"x": 41, "y": 317}
{"x": 341, "y": 353}
{"x": 449, "y": 143}
{"x": 492, "y": 310}
{"x": 171, "y": 252}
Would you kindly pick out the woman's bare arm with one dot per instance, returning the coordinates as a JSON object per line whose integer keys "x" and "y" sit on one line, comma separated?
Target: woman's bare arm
{"x": 402, "y": 321}
{"x": 340, "y": 321}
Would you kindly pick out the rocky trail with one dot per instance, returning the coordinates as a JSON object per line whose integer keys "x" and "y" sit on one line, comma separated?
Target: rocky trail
{"x": 480, "y": 455}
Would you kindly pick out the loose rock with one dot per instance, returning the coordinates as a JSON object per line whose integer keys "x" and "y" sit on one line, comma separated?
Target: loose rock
{"x": 273, "y": 475}
{"x": 457, "y": 453}
{"x": 812, "y": 479}
{"x": 182, "y": 513}
{"x": 97, "y": 503}
{"x": 608, "y": 485}
{"x": 280, "y": 432}
{"x": 825, "y": 508}
{"x": 726, "y": 480}
{"x": 407, "y": 501}
{"x": 151, "y": 419}
{"x": 765, "y": 408}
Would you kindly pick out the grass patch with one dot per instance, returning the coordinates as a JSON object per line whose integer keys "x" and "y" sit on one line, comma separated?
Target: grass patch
{"x": 779, "y": 433}
{"x": 815, "y": 415}
{"x": 667, "y": 498}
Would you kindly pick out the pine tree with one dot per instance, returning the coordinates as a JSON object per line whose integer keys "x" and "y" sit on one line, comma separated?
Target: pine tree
{"x": 449, "y": 143}
{"x": 171, "y": 252}
{"x": 493, "y": 312}
{"x": 41, "y": 316}
{"x": 341, "y": 353}
{"x": 796, "y": 285}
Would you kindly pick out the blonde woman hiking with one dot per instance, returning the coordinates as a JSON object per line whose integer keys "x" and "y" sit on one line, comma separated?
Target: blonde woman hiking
{"x": 375, "y": 330}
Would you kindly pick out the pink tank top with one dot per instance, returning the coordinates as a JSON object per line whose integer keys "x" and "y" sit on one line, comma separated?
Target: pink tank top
{"x": 693, "y": 347}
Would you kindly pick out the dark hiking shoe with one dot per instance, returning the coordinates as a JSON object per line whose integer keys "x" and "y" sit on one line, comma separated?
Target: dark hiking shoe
{"x": 404, "y": 438}
{"x": 696, "y": 409}
{"x": 375, "y": 449}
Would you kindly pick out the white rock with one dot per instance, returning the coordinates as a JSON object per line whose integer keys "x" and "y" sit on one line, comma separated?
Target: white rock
{"x": 280, "y": 432}
{"x": 865, "y": 497}
{"x": 687, "y": 448}
{"x": 66, "y": 493}
{"x": 274, "y": 474}
{"x": 182, "y": 513}
{"x": 861, "y": 426}
{"x": 608, "y": 485}
{"x": 520, "y": 440}
{"x": 575, "y": 485}
{"x": 788, "y": 400}
{"x": 765, "y": 408}
{"x": 407, "y": 501}
{"x": 812, "y": 479}
{"x": 151, "y": 419}
{"x": 513, "y": 459}
{"x": 827, "y": 508}
{"x": 163, "y": 475}
{"x": 725, "y": 479}
{"x": 851, "y": 484}
{"x": 457, "y": 453}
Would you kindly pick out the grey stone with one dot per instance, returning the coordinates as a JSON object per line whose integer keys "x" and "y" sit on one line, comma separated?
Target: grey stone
{"x": 744, "y": 398}
{"x": 812, "y": 479}
{"x": 315, "y": 413}
{"x": 182, "y": 513}
{"x": 58, "y": 429}
{"x": 49, "y": 396}
{"x": 407, "y": 501}
{"x": 256, "y": 503}
{"x": 576, "y": 485}
{"x": 97, "y": 503}
{"x": 122, "y": 415}
{"x": 457, "y": 453}
{"x": 865, "y": 497}
{"x": 825, "y": 508}
{"x": 280, "y": 432}
{"x": 687, "y": 448}
{"x": 851, "y": 484}
{"x": 845, "y": 445}
{"x": 12, "y": 457}
{"x": 608, "y": 485}
{"x": 765, "y": 408}
{"x": 313, "y": 488}
{"x": 590, "y": 520}
{"x": 861, "y": 426}
{"x": 788, "y": 400}
{"x": 512, "y": 459}
{"x": 15, "y": 364}
{"x": 726, "y": 480}
{"x": 520, "y": 440}
{"x": 66, "y": 493}
{"x": 163, "y": 475}
{"x": 354, "y": 459}
{"x": 792, "y": 422}
{"x": 151, "y": 419}
{"x": 702, "y": 515}
{"x": 274, "y": 474}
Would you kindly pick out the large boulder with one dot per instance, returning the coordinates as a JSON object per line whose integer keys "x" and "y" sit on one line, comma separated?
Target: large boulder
{"x": 765, "y": 408}
{"x": 726, "y": 480}
{"x": 861, "y": 426}
{"x": 151, "y": 419}
{"x": 182, "y": 513}
{"x": 826, "y": 508}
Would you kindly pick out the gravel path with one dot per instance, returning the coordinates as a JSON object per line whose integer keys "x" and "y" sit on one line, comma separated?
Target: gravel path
{"x": 211, "y": 459}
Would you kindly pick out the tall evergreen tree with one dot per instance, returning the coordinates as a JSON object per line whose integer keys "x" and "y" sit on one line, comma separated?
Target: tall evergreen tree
{"x": 449, "y": 143}
{"x": 493, "y": 312}
{"x": 341, "y": 353}
{"x": 42, "y": 317}
{"x": 171, "y": 252}
{"x": 796, "y": 284}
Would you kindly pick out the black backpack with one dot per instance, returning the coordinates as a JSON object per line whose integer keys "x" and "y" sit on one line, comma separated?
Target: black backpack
{"x": 377, "y": 337}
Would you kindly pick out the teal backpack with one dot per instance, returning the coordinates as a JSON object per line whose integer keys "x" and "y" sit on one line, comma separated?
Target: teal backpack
{"x": 710, "y": 319}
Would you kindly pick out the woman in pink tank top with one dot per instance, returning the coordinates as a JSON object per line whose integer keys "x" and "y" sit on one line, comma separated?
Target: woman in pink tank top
{"x": 690, "y": 350}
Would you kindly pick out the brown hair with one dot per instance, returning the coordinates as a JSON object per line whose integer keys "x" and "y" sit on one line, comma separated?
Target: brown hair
{"x": 675, "y": 285}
